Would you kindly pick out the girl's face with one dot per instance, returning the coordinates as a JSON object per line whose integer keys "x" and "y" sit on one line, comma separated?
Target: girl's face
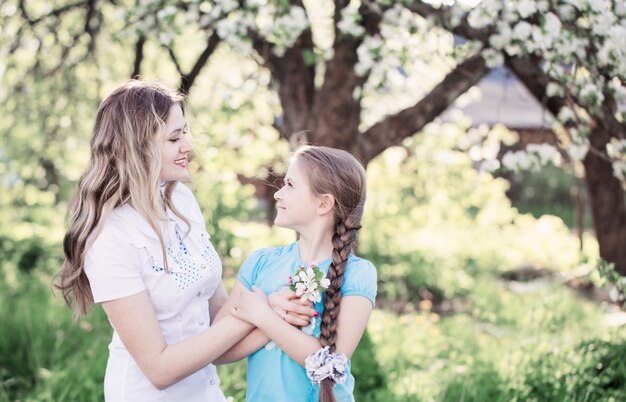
{"x": 175, "y": 147}
{"x": 296, "y": 203}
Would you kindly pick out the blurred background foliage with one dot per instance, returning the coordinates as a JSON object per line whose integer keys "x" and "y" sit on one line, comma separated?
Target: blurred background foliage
{"x": 473, "y": 303}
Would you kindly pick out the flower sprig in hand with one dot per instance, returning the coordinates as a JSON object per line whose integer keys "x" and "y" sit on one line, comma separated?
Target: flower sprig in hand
{"x": 308, "y": 283}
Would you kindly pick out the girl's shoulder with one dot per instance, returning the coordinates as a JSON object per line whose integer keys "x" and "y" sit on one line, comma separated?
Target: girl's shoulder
{"x": 356, "y": 262}
{"x": 271, "y": 254}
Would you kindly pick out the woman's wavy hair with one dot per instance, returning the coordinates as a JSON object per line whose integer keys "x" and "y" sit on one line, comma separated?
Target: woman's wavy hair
{"x": 338, "y": 173}
{"x": 124, "y": 167}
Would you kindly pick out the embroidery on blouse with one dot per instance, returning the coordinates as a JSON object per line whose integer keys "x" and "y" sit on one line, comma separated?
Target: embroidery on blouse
{"x": 209, "y": 255}
{"x": 181, "y": 258}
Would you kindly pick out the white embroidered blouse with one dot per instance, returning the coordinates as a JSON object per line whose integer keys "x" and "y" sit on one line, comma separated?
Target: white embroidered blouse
{"x": 125, "y": 259}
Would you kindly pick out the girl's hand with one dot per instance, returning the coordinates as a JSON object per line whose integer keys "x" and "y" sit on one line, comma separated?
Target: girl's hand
{"x": 251, "y": 306}
{"x": 287, "y": 305}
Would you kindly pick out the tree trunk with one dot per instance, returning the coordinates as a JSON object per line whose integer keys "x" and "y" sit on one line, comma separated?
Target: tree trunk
{"x": 606, "y": 195}
{"x": 607, "y": 204}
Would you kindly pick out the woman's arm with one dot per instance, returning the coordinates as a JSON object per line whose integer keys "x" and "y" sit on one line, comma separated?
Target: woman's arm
{"x": 216, "y": 302}
{"x": 352, "y": 320}
{"x": 135, "y": 321}
{"x": 292, "y": 312}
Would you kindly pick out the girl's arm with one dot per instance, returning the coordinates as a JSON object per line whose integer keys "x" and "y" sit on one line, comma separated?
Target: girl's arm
{"x": 352, "y": 320}
{"x": 135, "y": 321}
{"x": 293, "y": 313}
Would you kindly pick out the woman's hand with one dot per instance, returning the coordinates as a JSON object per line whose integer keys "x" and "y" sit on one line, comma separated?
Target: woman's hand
{"x": 251, "y": 306}
{"x": 287, "y": 305}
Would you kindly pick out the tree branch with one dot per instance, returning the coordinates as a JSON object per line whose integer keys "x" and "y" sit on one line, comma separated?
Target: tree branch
{"x": 138, "y": 57}
{"x": 395, "y": 128}
{"x": 187, "y": 80}
{"x": 170, "y": 51}
{"x": 444, "y": 17}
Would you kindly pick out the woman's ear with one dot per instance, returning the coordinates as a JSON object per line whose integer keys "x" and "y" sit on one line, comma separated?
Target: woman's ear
{"x": 326, "y": 204}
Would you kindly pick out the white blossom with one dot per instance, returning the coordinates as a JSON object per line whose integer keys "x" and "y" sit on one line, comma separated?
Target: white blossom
{"x": 619, "y": 170}
{"x": 526, "y": 8}
{"x": 546, "y": 153}
{"x": 591, "y": 94}
{"x": 597, "y": 5}
{"x": 228, "y": 5}
{"x": 579, "y": 145}
{"x": 492, "y": 7}
{"x": 522, "y": 31}
{"x": 554, "y": 89}
{"x": 578, "y": 151}
{"x": 478, "y": 18}
{"x": 350, "y": 22}
{"x": 566, "y": 115}
{"x": 532, "y": 158}
{"x": 616, "y": 149}
{"x": 542, "y": 5}
{"x": 329, "y": 53}
{"x": 502, "y": 38}
{"x": 552, "y": 26}
{"x": 166, "y": 12}
{"x": 493, "y": 58}
{"x": 567, "y": 11}
{"x": 489, "y": 165}
{"x": 519, "y": 160}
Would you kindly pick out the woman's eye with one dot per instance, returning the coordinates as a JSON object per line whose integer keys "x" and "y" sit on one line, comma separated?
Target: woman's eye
{"x": 174, "y": 140}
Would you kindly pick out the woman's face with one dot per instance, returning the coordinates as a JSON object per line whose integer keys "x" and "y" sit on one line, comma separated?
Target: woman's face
{"x": 175, "y": 147}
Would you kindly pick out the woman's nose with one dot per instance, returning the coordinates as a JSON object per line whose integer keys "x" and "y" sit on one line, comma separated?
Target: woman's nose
{"x": 186, "y": 146}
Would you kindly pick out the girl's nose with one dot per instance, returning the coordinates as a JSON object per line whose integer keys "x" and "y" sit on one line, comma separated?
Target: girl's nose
{"x": 277, "y": 196}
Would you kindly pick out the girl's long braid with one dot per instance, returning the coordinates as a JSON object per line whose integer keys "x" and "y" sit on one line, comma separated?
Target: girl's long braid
{"x": 343, "y": 240}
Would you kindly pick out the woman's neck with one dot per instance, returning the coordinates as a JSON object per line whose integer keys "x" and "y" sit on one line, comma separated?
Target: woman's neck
{"x": 315, "y": 248}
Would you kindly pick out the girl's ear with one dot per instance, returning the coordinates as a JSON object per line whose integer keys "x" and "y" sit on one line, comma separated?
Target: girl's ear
{"x": 326, "y": 204}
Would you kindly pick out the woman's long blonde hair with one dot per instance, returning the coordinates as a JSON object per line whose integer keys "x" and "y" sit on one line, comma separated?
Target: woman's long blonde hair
{"x": 124, "y": 167}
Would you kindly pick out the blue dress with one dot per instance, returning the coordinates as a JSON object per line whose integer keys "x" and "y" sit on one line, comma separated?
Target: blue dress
{"x": 272, "y": 375}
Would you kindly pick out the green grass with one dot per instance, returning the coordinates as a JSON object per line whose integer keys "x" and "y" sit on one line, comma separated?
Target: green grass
{"x": 544, "y": 345}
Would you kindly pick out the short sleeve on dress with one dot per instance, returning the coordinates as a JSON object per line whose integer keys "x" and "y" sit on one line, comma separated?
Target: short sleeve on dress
{"x": 113, "y": 265}
{"x": 360, "y": 279}
{"x": 250, "y": 268}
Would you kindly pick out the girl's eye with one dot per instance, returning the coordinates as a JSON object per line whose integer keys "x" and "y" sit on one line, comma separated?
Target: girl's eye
{"x": 174, "y": 140}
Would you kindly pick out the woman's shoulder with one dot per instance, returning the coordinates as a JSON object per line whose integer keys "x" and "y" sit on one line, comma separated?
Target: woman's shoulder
{"x": 115, "y": 231}
{"x": 186, "y": 202}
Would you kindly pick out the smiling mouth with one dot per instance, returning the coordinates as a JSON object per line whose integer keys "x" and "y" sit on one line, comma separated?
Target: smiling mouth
{"x": 181, "y": 162}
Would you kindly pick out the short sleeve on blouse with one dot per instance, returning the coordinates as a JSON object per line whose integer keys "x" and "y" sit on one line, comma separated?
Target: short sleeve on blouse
{"x": 360, "y": 279}
{"x": 113, "y": 265}
{"x": 250, "y": 268}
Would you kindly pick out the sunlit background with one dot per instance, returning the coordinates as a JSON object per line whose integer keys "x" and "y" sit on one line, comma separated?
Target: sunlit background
{"x": 487, "y": 287}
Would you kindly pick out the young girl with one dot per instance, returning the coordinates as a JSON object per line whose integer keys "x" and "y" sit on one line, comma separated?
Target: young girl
{"x": 137, "y": 244}
{"x": 322, "y": 200}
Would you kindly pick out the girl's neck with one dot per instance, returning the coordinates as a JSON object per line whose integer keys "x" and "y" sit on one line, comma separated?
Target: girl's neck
{"x": 315, "y": 248}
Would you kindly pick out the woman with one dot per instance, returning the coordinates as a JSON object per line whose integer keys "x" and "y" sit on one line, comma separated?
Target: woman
{"x": 322, "y": 200}
{"x": 137, "y": 244}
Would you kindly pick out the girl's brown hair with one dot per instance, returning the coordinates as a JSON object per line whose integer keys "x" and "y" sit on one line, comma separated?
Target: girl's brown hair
{"x": 124, "y": 167}
{"x": 338, "y": 173}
